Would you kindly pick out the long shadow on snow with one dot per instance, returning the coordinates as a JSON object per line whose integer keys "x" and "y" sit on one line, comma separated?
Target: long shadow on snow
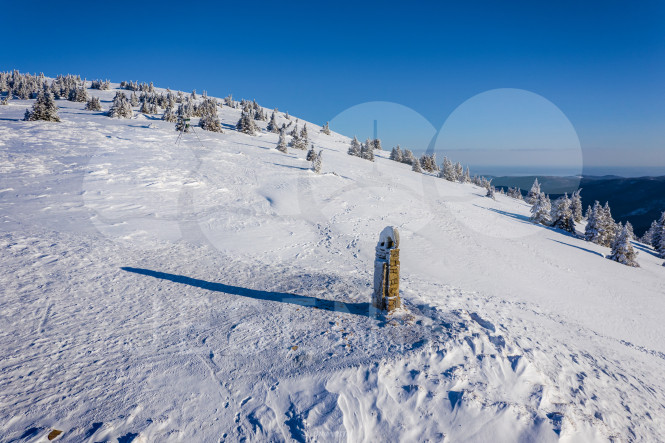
{"x": 362, "y": 309}
{"x": 578, "y": 247}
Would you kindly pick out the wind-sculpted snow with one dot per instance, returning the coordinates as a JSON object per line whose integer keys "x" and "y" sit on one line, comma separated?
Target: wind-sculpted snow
{"x": 219, "y": 289}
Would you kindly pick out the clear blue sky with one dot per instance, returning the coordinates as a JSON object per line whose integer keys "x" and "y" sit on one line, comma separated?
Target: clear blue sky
{"x": 601, "y": 63}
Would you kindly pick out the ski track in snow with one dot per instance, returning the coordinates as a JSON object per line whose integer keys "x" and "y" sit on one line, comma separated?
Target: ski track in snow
{"x": 219, "y": 290}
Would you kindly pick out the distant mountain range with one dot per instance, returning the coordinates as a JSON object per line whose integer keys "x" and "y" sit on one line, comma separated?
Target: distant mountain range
{"x": 639, "y": 200}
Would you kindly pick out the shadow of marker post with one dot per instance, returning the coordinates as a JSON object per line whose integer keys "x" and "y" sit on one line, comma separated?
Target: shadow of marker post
{"x": 362, "y": 309}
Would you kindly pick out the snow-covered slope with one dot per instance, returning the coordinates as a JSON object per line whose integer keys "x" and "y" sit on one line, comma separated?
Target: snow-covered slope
{"x": 219, "y": 289}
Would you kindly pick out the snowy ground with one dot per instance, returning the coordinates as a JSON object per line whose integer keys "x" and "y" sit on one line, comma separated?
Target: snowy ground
{"x": 218, "y": 289}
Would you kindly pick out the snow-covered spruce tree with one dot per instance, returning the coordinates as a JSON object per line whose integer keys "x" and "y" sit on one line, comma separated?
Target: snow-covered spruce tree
{"x": 281, "y": 144}
{"x": 376, "y": 144}
{"x": 44, "y": 108}
{"x": 408, "y": 157}
{"x": 246, "y": 124}
{"x": 562, "y": 214}
{"x": 145, "y": 107}
{"x": 490, "y": 192}
{"x": 311, "y": 154}
{"x": 396, "y": 154}
{"x": 79, "y": 94}
{"x": 326, "y": 129}
{"x": 467, "y": 177}
{"x": 287, "y": 116}
{"x": 608, "y": 226}
{"x": 416, "y": 166}
{"x": 533, "y": 193}
{"x": 272, "y": 124}
{"x": 121, "y": 107}
{"x": 193, "y": 95}
{"x": 316, "y": 162}
{"x": 354, "y": 148}
{"x": 209, "y": 120}
{"x": 622, "y": 250}
{"x": 93, "y": 104}
{"x": 304, "y": 137}
{"x": 540, "y": 211}
{"x": 448, "y": 171}
{"x": 593, "y": 230}
{"x": 576, "y": 205}
{"x": 169, "y": 115}
{"x": 428, "y": 162}
{"x": 459, "y": 172}
{"x": 657, "y": 232}
{"x": 367, "y": 151}
{"x": 133, "y": 99}
{"x": 631, "y": 232}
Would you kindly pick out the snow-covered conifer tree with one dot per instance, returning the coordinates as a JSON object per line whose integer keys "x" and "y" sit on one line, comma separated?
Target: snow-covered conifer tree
{"x": 467, "y": 176}
{"x": 311, "y": 154}
{"x": 304, "y": 137}
{"x": 326, "y": 129}
{"x": 533, "y": 193}
{"x": 134, "y": 99}
{"x": 631, "y": 232}
{"x": 354, "y": 148}
{"x": 408, "y": 157}
{"x": 562, "y": 214}
{"x": 396, "y": 154}
{"x": 316, "y": 162}
{"x": 281, "y": 144}
{"x": 448, "y": 171}
{"x": 367, "y": 151}
{"x": 272, "y": 125}
{"x": 541, "y": 209}
{"x": 246, "y": 124}
{"x": 459, "y": 172}
{"x": 576, "y": 205}
{"x": 376, "y": 144}
{"x": 169, "y": 115}
{"x": 93, "y": 104}
{"x": 593, "y": 231}
{"x": 608, "y": 226}
{"x": 490, "y": 192}
{"x": 121, "y": 107}
{"x": 656, "y": 232}
{"x": 622, "y": 250}
{"x": 43, "y": 109}
{"x": 416, "y": 166}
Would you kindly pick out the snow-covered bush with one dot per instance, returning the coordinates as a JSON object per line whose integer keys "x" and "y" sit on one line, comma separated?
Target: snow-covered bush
{"x": 102, "y": 85}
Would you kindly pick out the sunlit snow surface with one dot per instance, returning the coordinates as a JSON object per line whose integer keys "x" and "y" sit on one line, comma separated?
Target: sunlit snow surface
{"x": 219, "y": 289}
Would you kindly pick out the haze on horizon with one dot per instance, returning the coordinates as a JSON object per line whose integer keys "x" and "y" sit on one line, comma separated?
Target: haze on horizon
{"x": 600, "y": 64}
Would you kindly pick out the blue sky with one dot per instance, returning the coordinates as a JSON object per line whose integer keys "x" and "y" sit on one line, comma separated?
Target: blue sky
{"x": 602, "y": 64}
